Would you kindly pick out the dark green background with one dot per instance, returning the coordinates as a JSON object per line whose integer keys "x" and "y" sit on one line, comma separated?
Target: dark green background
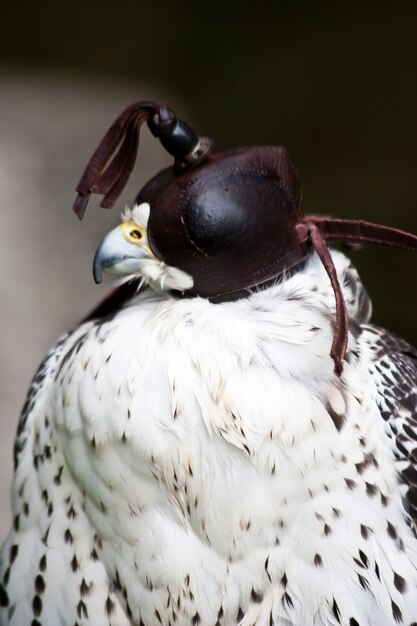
{"x": 334, "y": 82}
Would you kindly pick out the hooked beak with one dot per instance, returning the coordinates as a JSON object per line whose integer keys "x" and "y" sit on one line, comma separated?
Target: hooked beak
{"x": 115, "y": 255}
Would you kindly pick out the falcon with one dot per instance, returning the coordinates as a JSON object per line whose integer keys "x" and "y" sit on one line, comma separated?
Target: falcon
{"x": 226, "y": 439}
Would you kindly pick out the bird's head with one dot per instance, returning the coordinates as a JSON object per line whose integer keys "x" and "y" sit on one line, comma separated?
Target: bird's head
{"x": 125, "y": 252}
{"x": 214, "y": 225}
{"x": 217, "y": 230}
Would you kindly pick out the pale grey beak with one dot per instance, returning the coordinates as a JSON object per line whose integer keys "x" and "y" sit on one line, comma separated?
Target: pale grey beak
{"x": 117, "y": 256}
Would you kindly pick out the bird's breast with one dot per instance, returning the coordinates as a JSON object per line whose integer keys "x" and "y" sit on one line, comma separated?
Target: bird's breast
{"x": 212, "y": 463}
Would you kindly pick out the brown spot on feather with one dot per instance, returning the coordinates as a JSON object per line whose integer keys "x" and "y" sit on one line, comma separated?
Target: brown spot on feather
{"x": 400, "y": 583}
{"x": 337, "y": 418}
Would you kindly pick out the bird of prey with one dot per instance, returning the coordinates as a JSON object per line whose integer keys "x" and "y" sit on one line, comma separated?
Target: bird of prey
{"x": 227, "y": 440}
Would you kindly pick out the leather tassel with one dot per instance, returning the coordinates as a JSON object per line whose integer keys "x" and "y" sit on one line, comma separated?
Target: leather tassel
{"x": 124, "y": 132}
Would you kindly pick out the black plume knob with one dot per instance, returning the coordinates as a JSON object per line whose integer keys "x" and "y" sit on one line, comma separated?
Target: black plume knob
{"x": 179, "y": 139}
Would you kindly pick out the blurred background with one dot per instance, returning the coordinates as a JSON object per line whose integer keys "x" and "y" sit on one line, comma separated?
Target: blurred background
{"x": 334, "y": 82}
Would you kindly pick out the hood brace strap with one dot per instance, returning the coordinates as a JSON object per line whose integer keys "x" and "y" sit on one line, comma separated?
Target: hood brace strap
{"x": 317, "y": 230}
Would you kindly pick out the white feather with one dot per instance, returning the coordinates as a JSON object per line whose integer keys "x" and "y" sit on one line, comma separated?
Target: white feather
{"x": 206, "y": 470}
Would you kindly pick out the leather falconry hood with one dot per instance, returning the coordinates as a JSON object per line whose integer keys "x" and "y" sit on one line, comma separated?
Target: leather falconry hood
{"x": 232, "y": 220}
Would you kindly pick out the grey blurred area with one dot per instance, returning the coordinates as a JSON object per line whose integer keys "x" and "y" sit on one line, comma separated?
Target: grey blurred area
{"x": 49, "y": 127}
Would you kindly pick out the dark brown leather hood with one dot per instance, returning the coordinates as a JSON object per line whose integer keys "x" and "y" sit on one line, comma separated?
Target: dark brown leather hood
{"x": 230, "y": 223}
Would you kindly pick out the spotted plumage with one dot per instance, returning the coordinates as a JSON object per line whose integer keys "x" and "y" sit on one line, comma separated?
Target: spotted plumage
{"x": 183, "y": 462}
